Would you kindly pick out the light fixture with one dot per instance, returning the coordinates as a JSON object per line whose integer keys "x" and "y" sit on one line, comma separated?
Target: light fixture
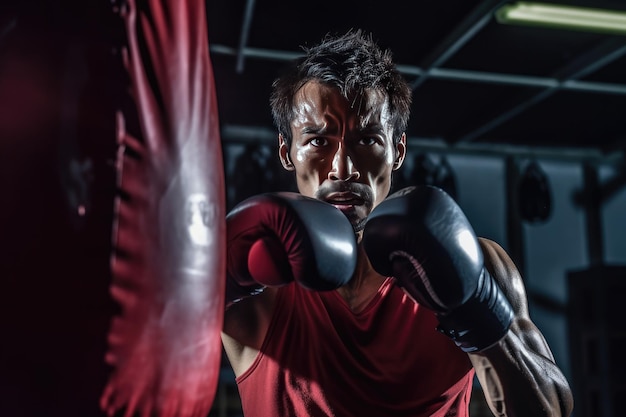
{"x": 563, "y": 17}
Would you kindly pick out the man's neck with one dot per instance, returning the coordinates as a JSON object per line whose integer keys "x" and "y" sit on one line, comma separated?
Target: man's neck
{"x": 364, "y": 284}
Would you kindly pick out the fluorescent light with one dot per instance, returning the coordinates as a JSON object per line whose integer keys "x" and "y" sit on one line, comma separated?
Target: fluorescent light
{"x": 564, "y": 17}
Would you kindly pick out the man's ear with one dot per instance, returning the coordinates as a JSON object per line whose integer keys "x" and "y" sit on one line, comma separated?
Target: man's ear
{"x": 283, "y": 153}
{"x": 400, "y": 152}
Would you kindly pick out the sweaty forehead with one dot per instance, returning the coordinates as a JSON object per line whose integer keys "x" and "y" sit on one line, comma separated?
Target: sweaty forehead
{"x": 315, "y": 102}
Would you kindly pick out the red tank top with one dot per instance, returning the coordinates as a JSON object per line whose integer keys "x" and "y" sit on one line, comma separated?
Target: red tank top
{"x": 319, "y": 358}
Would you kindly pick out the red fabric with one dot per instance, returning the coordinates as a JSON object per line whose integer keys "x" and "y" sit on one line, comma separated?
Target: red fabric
{"x": 169, "y": 261}
{"x": 321, "y": 359}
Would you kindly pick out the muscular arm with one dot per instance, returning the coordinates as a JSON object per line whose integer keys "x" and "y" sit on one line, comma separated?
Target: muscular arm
{"x": 519, "y": 375}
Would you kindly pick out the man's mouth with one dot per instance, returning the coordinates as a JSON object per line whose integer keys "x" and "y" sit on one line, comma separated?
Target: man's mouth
{"x": 344, "y": 200}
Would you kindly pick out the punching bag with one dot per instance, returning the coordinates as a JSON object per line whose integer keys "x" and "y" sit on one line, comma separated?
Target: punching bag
{"x": 168, "y": 256}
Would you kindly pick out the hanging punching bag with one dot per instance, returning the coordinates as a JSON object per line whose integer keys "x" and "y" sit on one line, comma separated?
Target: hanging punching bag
{"x": 164, "y": 345}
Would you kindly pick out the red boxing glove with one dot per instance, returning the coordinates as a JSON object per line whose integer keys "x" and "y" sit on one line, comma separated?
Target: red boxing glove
{"x": 276, "y": 238}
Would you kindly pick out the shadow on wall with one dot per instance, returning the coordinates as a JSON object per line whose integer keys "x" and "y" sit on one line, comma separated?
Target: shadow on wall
{"x": 254, "y": 171}
{"x": 423, "y": 170}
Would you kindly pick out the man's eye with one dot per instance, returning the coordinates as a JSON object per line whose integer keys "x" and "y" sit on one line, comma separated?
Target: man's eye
{"x": 318, "y": 142}
{"x": 368, "y": 141}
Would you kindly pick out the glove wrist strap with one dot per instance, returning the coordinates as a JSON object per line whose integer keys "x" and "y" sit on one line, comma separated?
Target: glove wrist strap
{"x": 481, "y": 321}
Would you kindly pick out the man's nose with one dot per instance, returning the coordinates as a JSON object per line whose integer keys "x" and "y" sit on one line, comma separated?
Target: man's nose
{"x": 343, "y": 168}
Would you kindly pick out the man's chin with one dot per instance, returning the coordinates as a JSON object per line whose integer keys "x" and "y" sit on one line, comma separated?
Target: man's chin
{"x": 358, "y": 225}
{"x": 356, "y": 220}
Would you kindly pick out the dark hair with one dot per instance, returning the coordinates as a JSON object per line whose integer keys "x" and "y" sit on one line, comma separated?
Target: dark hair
{"x": 352, "y": 63}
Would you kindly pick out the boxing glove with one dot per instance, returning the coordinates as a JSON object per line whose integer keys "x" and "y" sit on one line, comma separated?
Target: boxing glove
{"x": 276, "y": 238}
{"x": 420, "y": 236}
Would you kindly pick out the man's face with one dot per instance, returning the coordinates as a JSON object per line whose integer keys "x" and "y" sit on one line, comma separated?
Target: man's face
{"x": 342, "y": 152}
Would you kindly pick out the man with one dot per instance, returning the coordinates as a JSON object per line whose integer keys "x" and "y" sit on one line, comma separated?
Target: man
{"x": 393, "y": 315}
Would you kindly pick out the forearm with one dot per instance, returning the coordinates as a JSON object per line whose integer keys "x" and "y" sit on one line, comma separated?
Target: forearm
{"x": 520, "y": 378}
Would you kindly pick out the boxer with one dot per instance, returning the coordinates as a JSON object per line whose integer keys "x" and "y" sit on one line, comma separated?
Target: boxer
{"x": 427, "y": 304}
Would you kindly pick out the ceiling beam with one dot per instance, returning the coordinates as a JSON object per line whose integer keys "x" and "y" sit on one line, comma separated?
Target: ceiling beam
{"x": 243, "y": 36}
{"x": 449, "y": 73}
{"x": 462, "y": 33}
{"x": 566, "y": 78}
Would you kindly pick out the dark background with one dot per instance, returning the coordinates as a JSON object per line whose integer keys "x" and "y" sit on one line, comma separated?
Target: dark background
{"x": 475, "y": 81}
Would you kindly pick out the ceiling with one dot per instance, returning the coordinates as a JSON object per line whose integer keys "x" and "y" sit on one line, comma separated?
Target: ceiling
{"x": 477, "y": 83}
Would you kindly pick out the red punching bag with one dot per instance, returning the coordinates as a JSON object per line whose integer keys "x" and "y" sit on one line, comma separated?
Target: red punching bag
{"x": 168, "y": 258}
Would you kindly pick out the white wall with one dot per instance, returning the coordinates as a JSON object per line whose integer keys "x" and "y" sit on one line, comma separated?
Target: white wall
{"x": 614, "y": 220}
{"x": 481, "y": 192}
{"x": 551, "y": 250}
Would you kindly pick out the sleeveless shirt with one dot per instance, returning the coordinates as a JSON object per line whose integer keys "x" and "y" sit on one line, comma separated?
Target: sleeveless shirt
{"x": 321, "y": 359}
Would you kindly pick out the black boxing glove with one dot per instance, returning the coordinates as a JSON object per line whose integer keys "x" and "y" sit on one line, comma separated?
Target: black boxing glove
{"x": 276, "y": 238}
{"x": 420, "y": 236}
